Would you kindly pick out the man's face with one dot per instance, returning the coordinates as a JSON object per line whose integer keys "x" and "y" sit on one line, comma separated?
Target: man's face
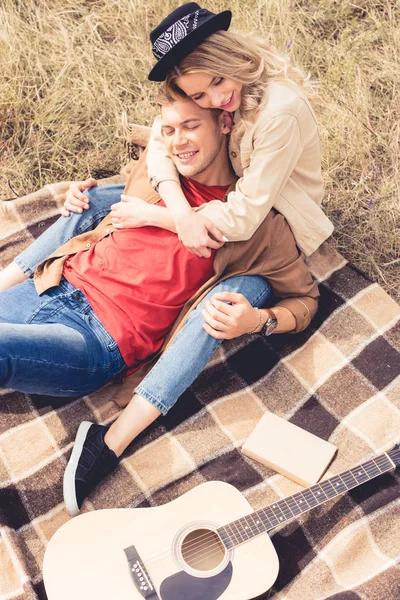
{"x": 192, "y": 135}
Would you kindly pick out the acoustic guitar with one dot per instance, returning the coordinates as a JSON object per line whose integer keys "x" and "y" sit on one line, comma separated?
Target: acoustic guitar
{"x": 206, "y": 545}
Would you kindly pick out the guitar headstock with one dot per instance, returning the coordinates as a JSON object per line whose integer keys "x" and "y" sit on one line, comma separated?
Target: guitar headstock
{"x": 394, "y": 455}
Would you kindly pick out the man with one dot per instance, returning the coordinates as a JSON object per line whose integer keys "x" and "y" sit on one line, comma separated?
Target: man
{"x": 108, "y": 299}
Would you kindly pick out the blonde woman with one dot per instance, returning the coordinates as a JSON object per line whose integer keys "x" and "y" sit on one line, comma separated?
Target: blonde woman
{"x": 274, "y": 145}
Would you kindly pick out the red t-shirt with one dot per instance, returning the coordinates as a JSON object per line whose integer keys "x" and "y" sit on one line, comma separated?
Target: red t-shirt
{"x": 138, "y": 280}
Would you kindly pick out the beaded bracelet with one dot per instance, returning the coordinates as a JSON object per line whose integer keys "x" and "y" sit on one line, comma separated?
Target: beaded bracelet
{"x": 259, "y": 322}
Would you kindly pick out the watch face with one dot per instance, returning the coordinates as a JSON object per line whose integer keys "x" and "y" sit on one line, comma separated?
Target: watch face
{"x": 269, "y": 326}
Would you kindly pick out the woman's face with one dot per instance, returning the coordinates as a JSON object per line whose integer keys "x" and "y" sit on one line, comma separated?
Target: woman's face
{"x": 211, "y": 92}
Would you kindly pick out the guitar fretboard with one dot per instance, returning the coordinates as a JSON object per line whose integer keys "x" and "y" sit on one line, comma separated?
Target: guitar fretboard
{"x": 241, "y": 530}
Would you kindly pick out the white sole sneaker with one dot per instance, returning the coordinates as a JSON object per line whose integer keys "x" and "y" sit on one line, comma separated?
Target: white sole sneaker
{"x": 69, "y": 490}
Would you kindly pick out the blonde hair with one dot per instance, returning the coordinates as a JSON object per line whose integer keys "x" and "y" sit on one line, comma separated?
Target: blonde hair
{"x": 165, "y": 98}
{"x": 240, "y": 57}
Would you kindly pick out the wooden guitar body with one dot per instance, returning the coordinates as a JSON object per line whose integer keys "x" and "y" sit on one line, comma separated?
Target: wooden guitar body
{"x": 179, "y": 552}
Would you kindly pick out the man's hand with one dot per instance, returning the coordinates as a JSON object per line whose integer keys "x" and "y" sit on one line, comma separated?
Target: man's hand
{"x": 193, "y": 231}
{"x": 227, "y": 321}
{"x": 131, "y": 212}
{"x": 75, "y": 200}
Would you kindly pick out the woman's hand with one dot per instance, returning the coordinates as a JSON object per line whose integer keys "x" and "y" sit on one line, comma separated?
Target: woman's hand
{"x": 75, "y": 200}
{"x": 227, "y": 321}
{"x": 130, "y": 213}
{"x": 193, "y": 231}
{"x": 192, "y": 228}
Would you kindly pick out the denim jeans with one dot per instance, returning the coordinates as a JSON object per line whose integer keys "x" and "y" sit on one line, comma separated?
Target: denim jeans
{"x": 193, "y": 347}
{"x": 54, "y": 344}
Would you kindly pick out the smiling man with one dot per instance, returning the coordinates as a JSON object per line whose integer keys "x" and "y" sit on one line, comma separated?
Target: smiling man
{"x": 104, "y": 302}
{"x": 198, "y": 152}
{"x": 128, "y": 285}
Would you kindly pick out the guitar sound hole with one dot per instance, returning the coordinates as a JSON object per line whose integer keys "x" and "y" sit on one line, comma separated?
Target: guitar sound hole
{"x": 202, "y": 550}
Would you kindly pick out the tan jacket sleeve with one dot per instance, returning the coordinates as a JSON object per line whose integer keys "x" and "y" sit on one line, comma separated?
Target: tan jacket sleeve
{"x": 276, "y": 150}
{"x": 159, "y": 164}
{"x": 290, "y": 278}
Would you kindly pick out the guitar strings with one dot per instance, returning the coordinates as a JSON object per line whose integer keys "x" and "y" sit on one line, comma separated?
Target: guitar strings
{"x": 195, "y": 543}
{"x": 205, "y": 555}
{"x": 209, "y": 534}
{"x": 196, "y": 546}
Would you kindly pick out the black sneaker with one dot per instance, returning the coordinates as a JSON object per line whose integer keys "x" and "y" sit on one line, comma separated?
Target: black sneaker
{"x": 91, "y": 460}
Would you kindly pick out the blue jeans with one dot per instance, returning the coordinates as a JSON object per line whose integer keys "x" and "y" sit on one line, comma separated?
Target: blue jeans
{"x": 54, "y": 344}
{"x": 192, "y": 348}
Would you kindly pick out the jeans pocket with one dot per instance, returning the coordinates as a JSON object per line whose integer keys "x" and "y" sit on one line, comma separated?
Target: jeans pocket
{"x": 101, "y": 332}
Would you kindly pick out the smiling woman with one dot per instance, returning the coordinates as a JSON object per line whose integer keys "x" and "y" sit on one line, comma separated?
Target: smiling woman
{"x": 210, "y": 92}
{"x": 274, "y": 144}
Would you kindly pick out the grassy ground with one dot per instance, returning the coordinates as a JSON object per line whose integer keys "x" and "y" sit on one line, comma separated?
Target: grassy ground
{"x": 71, "y": 67}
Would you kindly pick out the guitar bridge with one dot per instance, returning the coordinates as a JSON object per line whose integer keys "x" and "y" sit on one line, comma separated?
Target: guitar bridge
{"x": 139, "y": 575}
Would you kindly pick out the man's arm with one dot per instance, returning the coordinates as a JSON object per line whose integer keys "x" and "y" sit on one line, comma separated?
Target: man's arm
{"x": 229, "y": 315}
{"x": 287, "y": 274}
{"x": 285, "y": 269}
{"x": 11, "y": 275}
{"x": 75, "y": 200}
{"x": 290, "y": 277}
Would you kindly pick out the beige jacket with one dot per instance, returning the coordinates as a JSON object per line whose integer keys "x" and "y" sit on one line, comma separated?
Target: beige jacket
{"x": 278, "y": 161}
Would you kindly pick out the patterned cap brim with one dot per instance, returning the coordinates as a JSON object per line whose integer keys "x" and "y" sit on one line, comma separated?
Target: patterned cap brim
{"x": 185, "y": 46}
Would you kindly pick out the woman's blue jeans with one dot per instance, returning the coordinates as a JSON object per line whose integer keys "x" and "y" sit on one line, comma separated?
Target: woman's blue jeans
{"x": 192, "y": 348}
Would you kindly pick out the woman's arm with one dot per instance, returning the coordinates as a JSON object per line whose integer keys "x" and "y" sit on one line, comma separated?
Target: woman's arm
{"x": 192, "y": 230}
{"x": 160, "y": 166}
{"x": 133, "y": 212}
{"x": 277, "y": 146}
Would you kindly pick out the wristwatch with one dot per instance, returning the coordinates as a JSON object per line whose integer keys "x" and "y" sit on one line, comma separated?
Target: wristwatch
{"x": 270, "y": 324}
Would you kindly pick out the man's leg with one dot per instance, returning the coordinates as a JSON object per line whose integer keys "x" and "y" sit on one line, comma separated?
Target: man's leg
{"x": 53, "y": 344}
{"x": 65, "y": 228}
{"x": 170, "y": 377}
{"x": 179, "y": 366}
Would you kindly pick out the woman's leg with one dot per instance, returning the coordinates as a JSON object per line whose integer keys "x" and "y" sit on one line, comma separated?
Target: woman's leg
{"x": 65, "y": 228}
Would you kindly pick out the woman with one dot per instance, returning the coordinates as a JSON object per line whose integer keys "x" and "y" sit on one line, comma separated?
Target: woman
{"x": 274, "y": 146}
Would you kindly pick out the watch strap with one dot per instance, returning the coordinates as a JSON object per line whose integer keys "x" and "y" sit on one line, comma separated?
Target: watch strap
{"x": 271, "y": 321}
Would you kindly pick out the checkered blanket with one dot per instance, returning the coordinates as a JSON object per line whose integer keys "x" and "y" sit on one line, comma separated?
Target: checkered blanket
{"x": 339, "y": 380}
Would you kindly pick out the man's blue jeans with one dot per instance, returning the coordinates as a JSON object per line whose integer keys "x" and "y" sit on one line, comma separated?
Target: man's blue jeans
{"x": 54, "y": 344}
{"x": 184, "y": 360}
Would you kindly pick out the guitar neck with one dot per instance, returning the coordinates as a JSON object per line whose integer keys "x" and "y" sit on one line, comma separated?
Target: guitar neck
{"x": 239, "y": 531}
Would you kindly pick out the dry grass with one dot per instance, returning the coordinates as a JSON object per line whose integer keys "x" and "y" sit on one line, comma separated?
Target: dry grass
{"x": 70, "y": 67}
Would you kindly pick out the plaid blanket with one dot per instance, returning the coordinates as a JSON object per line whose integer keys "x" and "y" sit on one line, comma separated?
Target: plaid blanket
{"x": 339, "y": 380}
